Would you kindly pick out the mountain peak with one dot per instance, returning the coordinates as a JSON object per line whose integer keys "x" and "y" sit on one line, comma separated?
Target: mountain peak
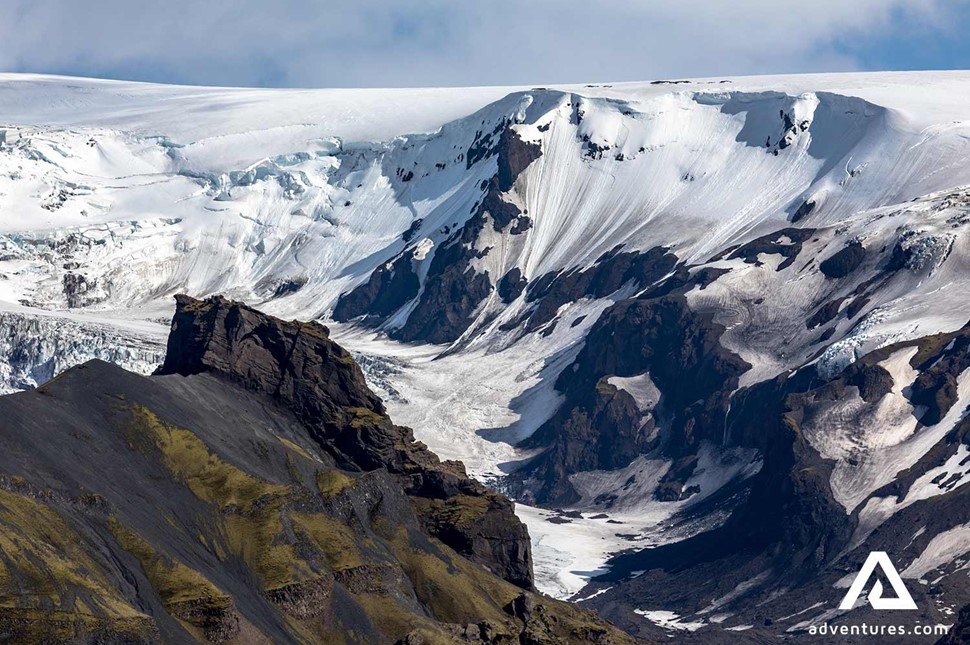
{"x": 296, "y": 364}
{"x": 300, "y": 369}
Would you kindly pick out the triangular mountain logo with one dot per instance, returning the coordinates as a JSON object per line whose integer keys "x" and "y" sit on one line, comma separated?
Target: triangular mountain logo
{"x": 881, "y": 559}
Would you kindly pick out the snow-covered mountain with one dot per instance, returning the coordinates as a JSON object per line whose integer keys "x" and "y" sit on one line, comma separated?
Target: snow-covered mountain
{"x": 645, "y": 310}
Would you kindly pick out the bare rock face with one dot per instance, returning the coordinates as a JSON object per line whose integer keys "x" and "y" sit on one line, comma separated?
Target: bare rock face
{"x": 514, "y": 156}
{"x": 600, "y": 427}
{"x": 298, "y": 366}
{"x": 791, "y": 525}
{"x": 614, "y": 269}
{"x": 452, "y": 290}
{"x": 843, "y": 262}
{"x": 390, "y": 287}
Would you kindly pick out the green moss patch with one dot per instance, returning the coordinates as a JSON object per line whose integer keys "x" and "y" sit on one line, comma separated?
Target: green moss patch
{"x": 44, "y": 566}
{"x": 175, "y": 583}
{"x": 331, "y": 483}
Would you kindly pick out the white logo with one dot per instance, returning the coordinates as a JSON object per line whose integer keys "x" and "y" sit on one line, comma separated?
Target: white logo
{"x": 902, "y": 600}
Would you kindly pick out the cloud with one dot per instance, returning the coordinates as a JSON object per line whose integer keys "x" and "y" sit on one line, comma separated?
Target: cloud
{"x": 450, "y": 42}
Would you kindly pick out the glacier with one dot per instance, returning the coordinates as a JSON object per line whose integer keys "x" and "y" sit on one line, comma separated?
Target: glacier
{"x": 115, "y": 196}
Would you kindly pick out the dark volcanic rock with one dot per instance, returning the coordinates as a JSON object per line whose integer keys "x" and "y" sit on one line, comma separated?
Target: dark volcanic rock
{"x": 844, "y": 261}
{"x": 807, "y": 208}
{"x": 210, "y": 503}
{"x": 787, "y": 530}
{"x": 409, "y": 234}
{"x": 855, "y": 307}
{"x": 790, "y": 500}
{"x": 873, "y": 381}
{"x": 605, "y": 433}
{"x": 514, "y": 156}
{"x": 298, "y": 366}
{"x": 454, "y": 289}
{"x": 484, "y": 145}
{"x": 671, "y": 488}
{"x": 825, "y": 313}
{"x": 286, "y": 287}
{"x": 902, "y": 256}
{"x": 611, "y": 271}
{"x": 787, "y": 243}
{"x": 511, "y": 285}
{"x": 936, "y": 386}
{"x": 599, "y": 427}
{"x": 390, "y": 287}
{"x": 503, "y": 213}
{"x": 294, "y": 362}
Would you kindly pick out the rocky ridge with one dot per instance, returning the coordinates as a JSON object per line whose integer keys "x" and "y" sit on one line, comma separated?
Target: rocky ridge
{"x": 252, "y": 491}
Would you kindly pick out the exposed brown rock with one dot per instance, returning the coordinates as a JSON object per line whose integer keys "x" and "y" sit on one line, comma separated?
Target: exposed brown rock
{"x": 219, "y": 623}
{"x": 302, "y": 369}
{"x": 514, "y": 156}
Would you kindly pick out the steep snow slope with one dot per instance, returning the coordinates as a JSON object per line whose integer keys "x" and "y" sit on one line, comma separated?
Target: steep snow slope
{"x": 114, "y": 196}
{"x": 212, "y": 190}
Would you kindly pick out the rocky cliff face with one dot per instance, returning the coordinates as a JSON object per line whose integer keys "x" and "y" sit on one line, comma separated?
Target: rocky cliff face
{"x": 317, "y": 380}
{"x": 252, "y": 491}
{"x": 801, "y": 525}
{"x": 856, "y": 451}
{"x": 455, "y": 286}
{"x": 676, "y": 353}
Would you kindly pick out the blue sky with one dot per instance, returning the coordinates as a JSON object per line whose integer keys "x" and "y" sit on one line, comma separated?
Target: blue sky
{"x": 915, "y": 45}
{"x": 341, "y": 43}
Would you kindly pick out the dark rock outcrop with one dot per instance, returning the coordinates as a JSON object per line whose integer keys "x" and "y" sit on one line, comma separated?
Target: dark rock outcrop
{"x": 855, "y": 307}
{"x": 391, "y": 286}
{"x": 786, "y": 242}
{"x": 873, "y": 381}
{"x": 936, "y": 386}
{"x": 824, "y": 314}
{"x": 298, "y": 366}
{"x": 484, "y": 145}
{"x": 602, "y": 433}
{"x": 505, "y": 215}
{"x": 514, "y": 156}
{"x": 610, "y": 272}
{"x": 844, "y": 261}
{"x": 787, "y": 530}
{"x": 453, "y": 289}
{"x": 295, "y": 363}
{"x": 806, "y": 208}
{"x": 599, "y": 427}
{"x": 512, "y": 285}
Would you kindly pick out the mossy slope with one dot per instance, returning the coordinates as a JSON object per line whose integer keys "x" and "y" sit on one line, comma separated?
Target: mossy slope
{"x": 181, "y": 510}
